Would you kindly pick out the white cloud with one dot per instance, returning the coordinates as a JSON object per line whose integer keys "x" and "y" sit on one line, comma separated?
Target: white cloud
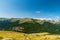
{"x": 38, "y": 12}
{"x": 44, "y": 18}
{"x": 57, "y": 16}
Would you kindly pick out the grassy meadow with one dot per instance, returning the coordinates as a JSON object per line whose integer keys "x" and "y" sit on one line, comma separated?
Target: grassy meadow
{"x": 33, "y": 36}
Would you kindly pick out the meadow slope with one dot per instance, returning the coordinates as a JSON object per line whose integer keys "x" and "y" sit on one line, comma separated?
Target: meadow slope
{"x": 33, "y": 36}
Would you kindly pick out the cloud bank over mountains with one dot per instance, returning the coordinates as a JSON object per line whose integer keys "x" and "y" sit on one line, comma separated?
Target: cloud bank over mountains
{"x": 56, "y": 18}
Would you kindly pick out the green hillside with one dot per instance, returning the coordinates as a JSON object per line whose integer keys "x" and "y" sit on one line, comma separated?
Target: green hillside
{"x": 29, "y": 29}
{"x": 29, "y": 25}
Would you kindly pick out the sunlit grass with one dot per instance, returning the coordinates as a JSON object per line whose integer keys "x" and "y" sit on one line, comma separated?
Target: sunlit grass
{"x": 33, "y": 36}
{"x": 10, "y": 34}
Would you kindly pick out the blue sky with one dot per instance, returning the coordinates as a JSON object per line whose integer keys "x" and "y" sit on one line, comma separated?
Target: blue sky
{"x": 30, "y": 8}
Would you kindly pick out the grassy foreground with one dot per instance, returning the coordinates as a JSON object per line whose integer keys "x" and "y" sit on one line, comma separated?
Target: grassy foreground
{"x": 33, "y": 36}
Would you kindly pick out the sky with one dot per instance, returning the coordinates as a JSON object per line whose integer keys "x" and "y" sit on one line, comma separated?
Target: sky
{"x": 30, "y": 8}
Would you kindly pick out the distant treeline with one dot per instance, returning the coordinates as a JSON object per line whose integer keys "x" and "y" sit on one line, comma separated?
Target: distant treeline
{"x": 29, "y": 25}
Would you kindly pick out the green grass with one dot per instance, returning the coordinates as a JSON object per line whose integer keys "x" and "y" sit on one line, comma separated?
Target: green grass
{"x": 33, "y": 36}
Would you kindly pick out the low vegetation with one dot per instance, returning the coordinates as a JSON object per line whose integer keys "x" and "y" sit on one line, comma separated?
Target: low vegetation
{"x": 11, "y": 35}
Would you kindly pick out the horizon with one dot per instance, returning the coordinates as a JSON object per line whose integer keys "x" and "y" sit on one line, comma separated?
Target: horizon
{"x": 33, "y": 18}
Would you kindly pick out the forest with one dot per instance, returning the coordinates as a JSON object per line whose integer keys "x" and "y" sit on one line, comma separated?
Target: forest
{"x": 30, "y": 25}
